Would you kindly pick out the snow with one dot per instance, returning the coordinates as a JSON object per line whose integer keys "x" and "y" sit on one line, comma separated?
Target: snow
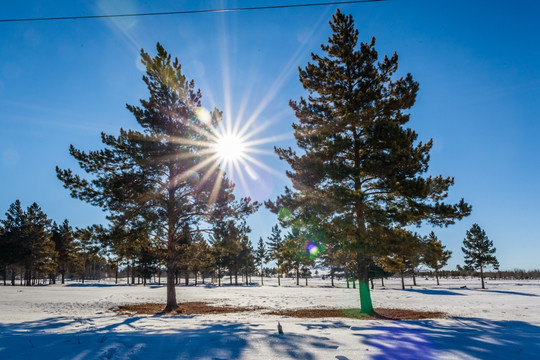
{"x": 74, "y": 321}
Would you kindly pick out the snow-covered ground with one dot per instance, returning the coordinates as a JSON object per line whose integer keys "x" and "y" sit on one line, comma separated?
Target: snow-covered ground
{"x": 73, "y": 321}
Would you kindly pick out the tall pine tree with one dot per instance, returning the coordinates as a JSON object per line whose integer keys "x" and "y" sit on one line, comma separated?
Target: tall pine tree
{"x": 165, "y": 174}
{"x": 360, "y": 168}
{"x": 479, "y": 251}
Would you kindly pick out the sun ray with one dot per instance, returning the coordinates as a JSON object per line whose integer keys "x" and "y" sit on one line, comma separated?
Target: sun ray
{"x": 265, "y": 167}
{"x": 269, "y": 139}
{"x": 284, "y": 75}
{"x": 240, "y": 175}
{"x": 217, "y": 185}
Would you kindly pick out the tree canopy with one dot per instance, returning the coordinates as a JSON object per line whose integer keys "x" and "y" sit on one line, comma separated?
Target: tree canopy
{"x": 360, "y": 169}
{"x": 167, "y": 174}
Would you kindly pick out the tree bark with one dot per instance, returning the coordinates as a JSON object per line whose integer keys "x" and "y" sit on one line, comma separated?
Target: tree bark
{"x": 171, "y": 269}
{"x": 482, "y": 276}
{"x": 366, "y": 306}
{"x": 437, "y": 276}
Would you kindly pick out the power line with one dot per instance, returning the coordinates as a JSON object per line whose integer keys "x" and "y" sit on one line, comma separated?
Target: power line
{"x": 187, "y": 11}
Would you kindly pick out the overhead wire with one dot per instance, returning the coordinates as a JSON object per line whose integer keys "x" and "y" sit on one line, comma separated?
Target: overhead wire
{"x": 183, "y": 12}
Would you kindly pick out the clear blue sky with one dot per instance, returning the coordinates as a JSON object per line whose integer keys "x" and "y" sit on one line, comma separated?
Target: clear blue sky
{"x": 477, "y": 63}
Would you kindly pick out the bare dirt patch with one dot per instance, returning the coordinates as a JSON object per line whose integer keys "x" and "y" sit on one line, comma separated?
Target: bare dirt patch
{"x": 380, "y": 314}
{"x": 187, "y": 308}
{"x": 199, "y": 308}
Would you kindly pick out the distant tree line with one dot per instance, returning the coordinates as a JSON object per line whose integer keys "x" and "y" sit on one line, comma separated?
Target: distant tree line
{"x": 35, "y": 249}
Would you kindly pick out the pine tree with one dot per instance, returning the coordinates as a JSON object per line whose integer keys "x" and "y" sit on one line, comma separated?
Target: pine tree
{"x": 402, "y": 250}
{"x": 294, "y": 252}
{"x": 275, "y": 244}
{"x": 11, "y": 231}
{"x": 360, "y": 166}
{"x": 4, "y": 251}
{"x": 261, "y": 257}
{"x": 167, "y": 173}
{"x": 435, "y": 256}
{"x": 64, "y": 244}
{"x": 479, "y": 250}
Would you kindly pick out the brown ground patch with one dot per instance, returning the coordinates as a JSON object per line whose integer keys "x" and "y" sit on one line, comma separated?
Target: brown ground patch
{"x": 187, "y": 308}
{"x": 380, "y": 314}
{"x": 197, "y": 308}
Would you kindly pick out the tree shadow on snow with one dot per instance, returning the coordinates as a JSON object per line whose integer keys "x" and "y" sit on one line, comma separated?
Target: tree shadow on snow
{"x": 126, "y": 338}
{"x": 96, "y": 285}
{"x": 434, "y": 292}
{"x": 462, "y": 338}
{"x": 503, "y": 292}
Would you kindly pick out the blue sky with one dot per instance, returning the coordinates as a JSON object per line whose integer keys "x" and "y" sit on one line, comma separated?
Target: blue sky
{"x": 64, "y": 82}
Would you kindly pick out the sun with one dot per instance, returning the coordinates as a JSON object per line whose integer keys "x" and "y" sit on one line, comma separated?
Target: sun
{"x": 230, "y": 148}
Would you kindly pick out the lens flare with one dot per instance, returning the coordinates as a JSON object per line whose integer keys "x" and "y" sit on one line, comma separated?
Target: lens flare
{"x": 203, "y": 114}
{"x": 193, "y": 177}
{"x": 313, "y": 249}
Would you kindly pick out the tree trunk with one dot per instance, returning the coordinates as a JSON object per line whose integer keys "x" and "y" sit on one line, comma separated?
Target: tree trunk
{"x": 235, "y": 277}
{"x": 298, "y": 276}
{"x": 402, "y": 281}
{"x": 12, "y": 275}
{"x": 372, "y": 285}
{"x": 413, "y": 278}
{"x": 262, "y": 281}
{"x": 5, "y": 275}
{"x": 186, "y": 278}
{"x": 437, "y": 276}
{"x": 366, "y": 306}
{"x": 171, "y": 273}
{"x": 306, "y": 280}
{"x": 278, "y": 279}
{"x": 482, "y": 276}
{"x": 382, "y": 281}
